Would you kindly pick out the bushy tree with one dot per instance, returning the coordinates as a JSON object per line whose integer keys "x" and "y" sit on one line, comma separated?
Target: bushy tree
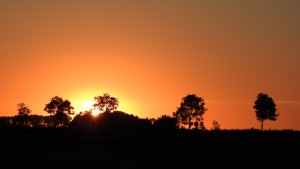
{"x": 62, "y": 110}
{"x": 22, "y": 116}
{"x": 23, "y": 110}
{"x": 265, "y": 109}
{"x": 106, "y": 103}
{"x": 191, "y": 111}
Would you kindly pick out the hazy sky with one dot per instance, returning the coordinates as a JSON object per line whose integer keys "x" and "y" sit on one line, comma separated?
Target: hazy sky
{"x": 150, "y": 54}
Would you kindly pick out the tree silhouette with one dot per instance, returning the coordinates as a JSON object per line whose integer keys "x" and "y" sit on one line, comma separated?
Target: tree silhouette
{"x": 106, "y": 103}
{"x": 62, "y": 110}
{"x": 190, "y": 113}
{"x": 216, "y": 125}
{"x": 23, "y": 112}
{"x": 265, "y": 108}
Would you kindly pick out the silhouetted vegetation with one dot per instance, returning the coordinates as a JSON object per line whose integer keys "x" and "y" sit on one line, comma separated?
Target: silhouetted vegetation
{"x": 61, "y": 109}
{"x": 191, "y": 111}
{"x": 265, "y": 108}
{"x": 84, "y": 121}
{"x": 165, "y": 123}
{"x": 22, "y": 118}
{"x": 120, "y": 121}
{"x": 106, "y": 103}
{"x": 188, "y": 116}
{"x": 116, "y": 121}
{"x": 32, "y": 121}
{"x": 216, "y": 125}
{"x": 115, "y": 139}
{"x": 5, "y": 122}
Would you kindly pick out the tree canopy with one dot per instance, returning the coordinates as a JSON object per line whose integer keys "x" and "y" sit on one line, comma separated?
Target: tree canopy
{"x": 265, "y": 109}
{"x": 191, "y": 111}
{"x": 23, "y": 110}
{"x": 22, "y": 117}
{"x": 62, "y": 110}
{"x": 106, "y": 103}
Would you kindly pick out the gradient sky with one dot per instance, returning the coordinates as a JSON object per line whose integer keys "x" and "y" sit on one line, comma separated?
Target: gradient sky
{"x": 150, "y": 54}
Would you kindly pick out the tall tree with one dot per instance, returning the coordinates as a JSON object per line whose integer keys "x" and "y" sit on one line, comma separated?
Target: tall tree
{"x": 106, "y": 103}
{"x": 23, "y": 112}
{"x": 191, "y": 111}
{"x": 62, "y": 110}
{"x": 265, "y": 109}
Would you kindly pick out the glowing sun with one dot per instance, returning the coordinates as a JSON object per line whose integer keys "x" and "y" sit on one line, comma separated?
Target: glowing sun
{"x": 89, "y": 106}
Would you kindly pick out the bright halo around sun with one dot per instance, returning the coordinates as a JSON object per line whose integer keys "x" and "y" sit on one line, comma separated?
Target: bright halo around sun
{"x": 89, "y": 106}
{"x": 95, "y": 112}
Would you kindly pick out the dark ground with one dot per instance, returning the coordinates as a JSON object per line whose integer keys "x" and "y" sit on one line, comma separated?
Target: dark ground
{"x": 220, "y": 150}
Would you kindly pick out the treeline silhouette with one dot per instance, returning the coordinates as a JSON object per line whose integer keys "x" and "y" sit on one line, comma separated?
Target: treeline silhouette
{"x": 188, "y": 116}
{"x": 106, "y": 122}
{"x": 110, "y": 120}
{"x": 116, "y": 139}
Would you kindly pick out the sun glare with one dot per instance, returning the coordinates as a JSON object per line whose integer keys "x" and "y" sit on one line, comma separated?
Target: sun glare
{"x": 89, "y": 106}
{"x": 95, "y": 112}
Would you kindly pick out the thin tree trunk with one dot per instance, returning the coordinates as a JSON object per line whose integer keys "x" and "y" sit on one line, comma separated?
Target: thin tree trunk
{"x": 262, "y": 125}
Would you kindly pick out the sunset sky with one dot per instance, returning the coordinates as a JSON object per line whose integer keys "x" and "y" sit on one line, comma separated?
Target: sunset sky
{"x": 150, "y": 54}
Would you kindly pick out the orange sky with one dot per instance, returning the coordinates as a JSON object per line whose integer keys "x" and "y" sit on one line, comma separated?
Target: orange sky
{"x": 150, "y": 54}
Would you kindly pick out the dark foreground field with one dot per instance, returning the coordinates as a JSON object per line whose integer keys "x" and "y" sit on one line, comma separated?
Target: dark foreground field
{"x": 222, "y": 150}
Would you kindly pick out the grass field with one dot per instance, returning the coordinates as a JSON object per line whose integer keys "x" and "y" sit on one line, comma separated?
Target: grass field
{"x": 222, "y": 150}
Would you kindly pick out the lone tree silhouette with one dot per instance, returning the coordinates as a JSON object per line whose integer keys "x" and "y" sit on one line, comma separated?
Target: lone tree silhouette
{"x": 23, "y": 112}
{"x": 62, "y": 110}
{"x": 106, "y": 103}
{"x": 216, "y": 125}
{"x": 265, "y": 109}
{"x": 190, "y": 112}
